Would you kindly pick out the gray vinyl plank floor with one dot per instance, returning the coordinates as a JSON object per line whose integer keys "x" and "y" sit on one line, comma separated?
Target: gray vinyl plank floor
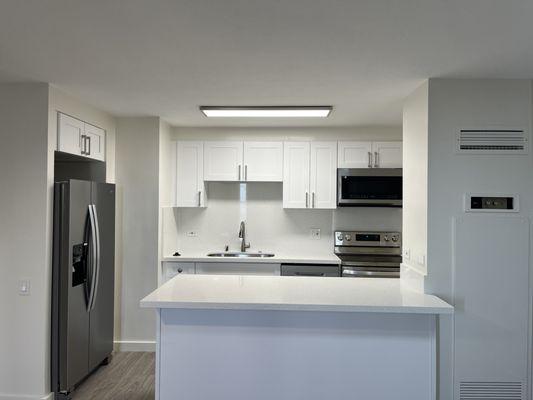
{"x": 129, "y": 375}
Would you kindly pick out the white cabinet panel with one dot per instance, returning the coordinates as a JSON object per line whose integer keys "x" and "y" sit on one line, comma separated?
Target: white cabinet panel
{"x": 80, "y": 138}
{"x": 190, "y": 186}
{"x": 69, "y": 134}
{"x": 296, "y": 174}
{"x": 171, "y": 269}
{"x": 355, "y": 154}
{"x": 263, "y": 161}
{"x": 229, "y": 268}
{"x": 323, "y": 175}
{"x": 387, "y": 154}
{"x": 95, "y": 142}
{"x": 223, "y": 161}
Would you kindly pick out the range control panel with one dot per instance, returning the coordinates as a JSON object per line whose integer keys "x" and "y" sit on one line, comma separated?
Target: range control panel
{"x": 368, "y": 239}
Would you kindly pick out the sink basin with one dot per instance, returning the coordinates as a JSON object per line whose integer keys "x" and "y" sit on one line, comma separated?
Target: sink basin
{"x": 239, "y": 254}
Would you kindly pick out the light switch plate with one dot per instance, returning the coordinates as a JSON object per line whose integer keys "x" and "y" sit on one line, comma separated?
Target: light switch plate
{"x": 315, "y": 233}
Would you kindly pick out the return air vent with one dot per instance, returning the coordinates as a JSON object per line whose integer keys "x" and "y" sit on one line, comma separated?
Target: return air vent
{"x": 492, "y": 141}
{"x": 490, "y": 391}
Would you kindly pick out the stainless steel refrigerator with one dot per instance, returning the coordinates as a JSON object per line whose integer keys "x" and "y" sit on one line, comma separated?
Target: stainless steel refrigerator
{"x": 82, "y": 281}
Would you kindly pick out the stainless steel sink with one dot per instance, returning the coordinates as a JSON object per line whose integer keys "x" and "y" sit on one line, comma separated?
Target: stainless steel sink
{"x": 240, "y": 254}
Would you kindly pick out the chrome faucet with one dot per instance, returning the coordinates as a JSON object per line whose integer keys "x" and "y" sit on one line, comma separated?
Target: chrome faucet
{"x": 242, "y": 236}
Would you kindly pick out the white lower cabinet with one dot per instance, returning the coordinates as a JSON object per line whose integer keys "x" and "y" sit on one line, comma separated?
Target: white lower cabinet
{"x": 232, "y": 268}
{"x": 171, "y": 269}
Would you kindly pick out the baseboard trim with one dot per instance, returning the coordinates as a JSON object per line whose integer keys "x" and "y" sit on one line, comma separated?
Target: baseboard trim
{"x": 134, "y": 345}
{"x": 3, "y": 396}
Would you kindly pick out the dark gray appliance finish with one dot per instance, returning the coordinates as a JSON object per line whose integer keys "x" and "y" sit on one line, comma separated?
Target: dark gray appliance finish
{"x": 318, "y": 270}
{"x": 369, "y": 254}
{"x": 369, "y": 187}
{"x": 82, "y": 281}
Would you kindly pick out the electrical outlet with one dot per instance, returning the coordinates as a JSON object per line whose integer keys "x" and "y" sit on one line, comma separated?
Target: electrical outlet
{"x": 407, "y": 253}
{"x": 315, "y": 233}
{"x": 192, "y": 234}
{"x": 421, "y": 260}
{"x": 24, "y": 287}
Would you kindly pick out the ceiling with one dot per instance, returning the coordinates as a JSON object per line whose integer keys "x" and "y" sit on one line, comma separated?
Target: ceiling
{"x": 167, "y": 57}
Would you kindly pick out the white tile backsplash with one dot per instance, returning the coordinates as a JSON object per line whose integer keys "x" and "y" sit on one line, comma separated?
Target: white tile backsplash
{"x": 269, "y": 226}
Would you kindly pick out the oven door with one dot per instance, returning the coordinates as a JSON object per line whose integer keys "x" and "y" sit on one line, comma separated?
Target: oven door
{"x": 370, "y": 269}
{"x": 370, "y": 187}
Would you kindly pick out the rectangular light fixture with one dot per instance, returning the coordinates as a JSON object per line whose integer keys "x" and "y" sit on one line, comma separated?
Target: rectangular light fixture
{"x": 267, "y": 112}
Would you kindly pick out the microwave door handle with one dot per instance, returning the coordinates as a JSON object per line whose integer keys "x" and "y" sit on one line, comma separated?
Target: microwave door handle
{"x": 369, "y": 159}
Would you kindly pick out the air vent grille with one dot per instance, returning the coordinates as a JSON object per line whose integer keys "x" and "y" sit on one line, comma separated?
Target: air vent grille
{"x": 491, "y": 391}
{"x": 495, "y": 141}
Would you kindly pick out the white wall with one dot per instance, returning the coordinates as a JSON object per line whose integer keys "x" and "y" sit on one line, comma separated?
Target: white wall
{"x": 137, "y": 178}
{"x": 269, "y": 226}
{"x": 25, "y": 241}
{"x": 452, "y": 104}
{"x": 415, "y": 187}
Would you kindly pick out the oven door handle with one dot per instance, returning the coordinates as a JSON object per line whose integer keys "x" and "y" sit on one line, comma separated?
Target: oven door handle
{"x": 383, "y": 274}
{"x": 370, "y": 264}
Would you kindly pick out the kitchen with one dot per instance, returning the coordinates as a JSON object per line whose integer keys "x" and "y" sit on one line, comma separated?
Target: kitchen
{"x": 343, "y": 218}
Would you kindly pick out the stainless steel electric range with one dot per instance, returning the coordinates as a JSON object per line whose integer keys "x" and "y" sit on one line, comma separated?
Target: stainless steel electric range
{"x": 369, "y": 254}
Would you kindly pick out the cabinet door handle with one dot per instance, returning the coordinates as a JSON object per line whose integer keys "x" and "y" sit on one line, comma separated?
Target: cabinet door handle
{"x": 199, "y": 198}
{"x": 82, "y": 144}
{"x": 313, "y": 201}
{"x": 306, "y": 199}
{"x": 239, "y": 172}
{"x": 376, "y": 161}
{"x": 369, "y": 160}
{"x": 246, "y": 172}
{"x": 89, "y": 139}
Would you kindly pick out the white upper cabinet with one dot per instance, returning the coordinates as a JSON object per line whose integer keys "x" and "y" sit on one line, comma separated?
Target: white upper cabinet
{"x": 80, "y": 138}
{"x": 309, "y": 175}
{"x": 323, "y": 175}
{"x": 69, "y": 134}
{"x": 387, "y": 154}
{"x": 370, "y": 154}
{"x": 263, "y": 162}
{"x": 95, "y": 142}
{"x": 223, "y": 161}
{"x": 190, "y": 187}
{"x": 355, "y": 155}
{"x": 296, "y": 174}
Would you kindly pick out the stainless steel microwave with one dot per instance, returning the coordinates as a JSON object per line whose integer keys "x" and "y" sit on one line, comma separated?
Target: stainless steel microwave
{"x": 369, "y": 187}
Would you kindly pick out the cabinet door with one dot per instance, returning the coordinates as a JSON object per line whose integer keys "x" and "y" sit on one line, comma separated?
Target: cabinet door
{"x": 296, "y": 174}
{"x": 223, "y": 161}
{"x": 190, "y": 187}
{"x": 323, "y": 175}
{"x": 263, "y": 161}
{"x": 171, "y": 269}
{"x": 387, "y": 154}
{"x": 233, "y": 268}
{"x": 69, "y": 134}
{"x": 95, "y": 146}
{"x": 355, "y": 155}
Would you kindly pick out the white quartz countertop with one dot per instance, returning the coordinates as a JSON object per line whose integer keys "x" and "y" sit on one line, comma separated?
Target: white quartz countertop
{"x": 237, "y": 292}
{"x": 279, "y": 258}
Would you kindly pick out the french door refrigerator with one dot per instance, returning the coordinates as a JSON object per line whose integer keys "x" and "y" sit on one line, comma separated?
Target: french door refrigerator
{"x": 82, "y": 281}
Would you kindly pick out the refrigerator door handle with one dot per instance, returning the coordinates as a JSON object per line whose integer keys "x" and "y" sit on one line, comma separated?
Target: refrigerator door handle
{"x": 97, "y": 260}
{"x": 94, "y": 249}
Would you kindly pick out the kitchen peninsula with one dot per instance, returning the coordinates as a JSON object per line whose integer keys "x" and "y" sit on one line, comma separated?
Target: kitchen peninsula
{"x": 270, "y": 337}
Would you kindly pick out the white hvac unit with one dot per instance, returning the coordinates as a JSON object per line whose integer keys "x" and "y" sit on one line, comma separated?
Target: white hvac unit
{"x": 492, "y": 141}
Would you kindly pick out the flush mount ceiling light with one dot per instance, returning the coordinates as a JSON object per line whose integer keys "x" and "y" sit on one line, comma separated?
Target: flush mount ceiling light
{"x": 267, "y": 112}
